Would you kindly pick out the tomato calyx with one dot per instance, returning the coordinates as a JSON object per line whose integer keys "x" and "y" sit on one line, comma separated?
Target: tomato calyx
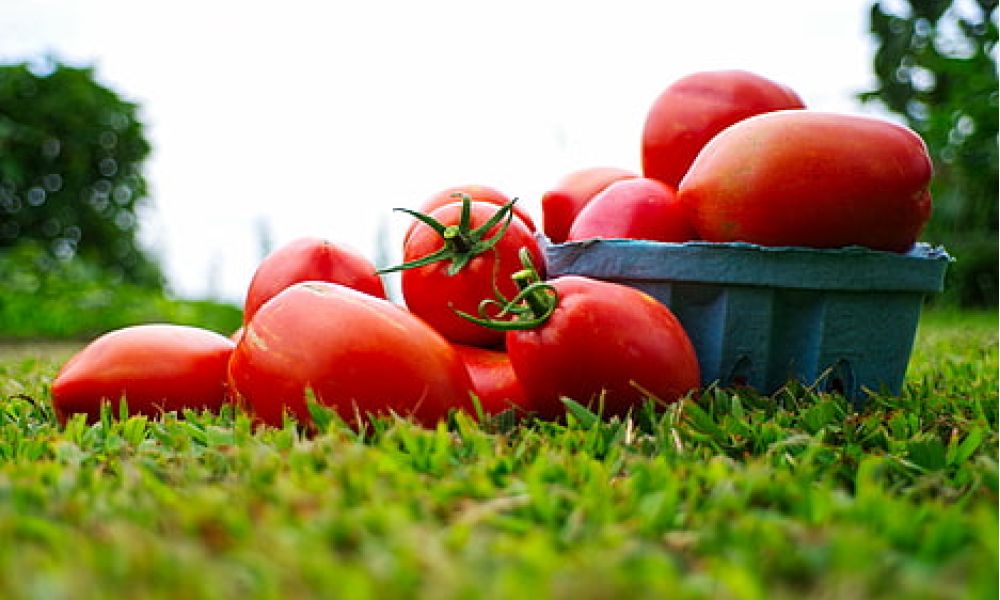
{"x": 534, "y": 303}
{"x": 462, "y": 243}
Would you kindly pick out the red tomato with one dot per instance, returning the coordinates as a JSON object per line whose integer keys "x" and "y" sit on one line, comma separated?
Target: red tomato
{"x": 493, "y": 379}
{"x": 310, "y": 259}
{"x": 603, "y": 337}
{"x": 156, "y": 368}
{"x": 638, "y": 209}
{"x": 804, "y": 178}
{"x": 562, "y": 203}
{"x": 357, "y": 353}
{"x": 433, "y": 294}
{"x": 695, "y": 108}
{"x": 478, "y": 193}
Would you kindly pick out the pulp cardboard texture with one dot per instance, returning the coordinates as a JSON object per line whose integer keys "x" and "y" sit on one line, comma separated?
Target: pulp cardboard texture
{"x": 841, "y": 319}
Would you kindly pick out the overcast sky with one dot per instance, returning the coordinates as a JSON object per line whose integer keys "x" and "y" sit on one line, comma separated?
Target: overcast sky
{"x": 316, "y": 118}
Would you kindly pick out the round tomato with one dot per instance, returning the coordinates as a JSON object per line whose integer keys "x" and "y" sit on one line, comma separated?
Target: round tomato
{"x": 155, "y": 368}
{"x": 639, "y": 208}
{"x": 476, "y": 193}
{"x": 310, "y": 259}
{"x": 466, "y": 269}
{"x": 804, "y": 178}
{"x": 596, "y": 342}
{"x": 562, "y": 203}
{"x": 356, "y": 353}
{"x": 695, "y": 108}
{"x": 493, "y": 379}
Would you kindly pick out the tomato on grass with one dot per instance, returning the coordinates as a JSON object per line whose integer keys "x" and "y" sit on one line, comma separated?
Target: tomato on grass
{"x": 310, "y": 259}
{"x": 355, "y": 353}
{"x": 493, "y": 379}
{"x": 155, "y": 368}
{"x": 599, "y": 343}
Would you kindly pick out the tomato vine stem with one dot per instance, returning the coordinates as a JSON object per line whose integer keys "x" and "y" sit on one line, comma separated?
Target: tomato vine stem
{"x": 461, "y": 243}
{"x": 534, "y": 303}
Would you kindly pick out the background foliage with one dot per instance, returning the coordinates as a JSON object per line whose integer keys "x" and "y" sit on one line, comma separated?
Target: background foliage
{"x": 71, "y": 179}
{"x": 45, "y": 297}
{"x": 936, "y": 64}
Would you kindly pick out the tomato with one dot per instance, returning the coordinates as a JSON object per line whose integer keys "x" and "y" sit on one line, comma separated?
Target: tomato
{"x": 804, "y": 178}
{"x": 156, "y": 368}
{"x": 695, "y": 108}
{"x": 493, "y": 379}
{"x": 477, "y": 193}
{"x": 639, "y": 208}
{"x": 466, "y": 272}
{"x": 358, "y": 354}
{"x": 603, "y": 338}
{"x": 563, "y": 202}
{"x": 310, "y": 259}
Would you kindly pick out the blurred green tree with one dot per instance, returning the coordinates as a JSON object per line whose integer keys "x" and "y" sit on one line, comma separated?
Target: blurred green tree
{"x": 936, "y": 65}
{"x": 71, "y": 179}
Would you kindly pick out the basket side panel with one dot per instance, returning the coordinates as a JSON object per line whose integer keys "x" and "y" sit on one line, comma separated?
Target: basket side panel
{"x": 867, "y": 341}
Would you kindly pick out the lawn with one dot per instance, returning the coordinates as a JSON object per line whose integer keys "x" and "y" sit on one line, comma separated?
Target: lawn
{"x": 727, "y": 495}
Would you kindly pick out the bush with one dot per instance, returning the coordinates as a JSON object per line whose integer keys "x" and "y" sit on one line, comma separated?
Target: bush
{"x": 44, "y": 297}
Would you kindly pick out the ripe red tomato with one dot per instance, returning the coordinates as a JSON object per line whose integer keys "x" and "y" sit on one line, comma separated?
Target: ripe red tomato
{"x": 639, "y": 208}
{"x": 804, "y": 178}
{"x": 695, "y": 108}
{"x": 562, "y": 203}
{"x": 433, "y": 292}
{"x": 493, "y": 379}
{"x": 357, "y": 353}
{"x": 156, "y": 368}
{"x": 603, "y": 337}
{"x": 478, "y": 193}
{"x": 310, "y": 259}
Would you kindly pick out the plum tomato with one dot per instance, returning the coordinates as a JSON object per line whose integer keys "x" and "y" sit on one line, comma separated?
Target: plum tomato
{"x": 493, "y": 379}
{"x": 455, "y": 259}
{"x": 571, "y": 193}
{"x": 310, "y": 259}
{"x": 639, "y": 208}
{"x": 693, "y": 109}
{"x": 356, "y": 353}
{"x": 806, "y": 178}
{"x": 156, "y": 368}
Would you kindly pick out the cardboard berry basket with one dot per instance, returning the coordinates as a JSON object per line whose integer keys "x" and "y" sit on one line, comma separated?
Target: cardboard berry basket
{"x": 842, "y": 319}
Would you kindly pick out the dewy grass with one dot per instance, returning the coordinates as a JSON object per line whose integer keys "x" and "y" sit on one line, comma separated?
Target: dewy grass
{"x": 728, "y": 495}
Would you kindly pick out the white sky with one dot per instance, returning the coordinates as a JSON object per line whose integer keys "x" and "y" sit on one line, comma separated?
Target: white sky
{"x": 318, "y": 117}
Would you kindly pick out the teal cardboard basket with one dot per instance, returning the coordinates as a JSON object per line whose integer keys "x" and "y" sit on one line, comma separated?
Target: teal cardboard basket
{"x": 842, "y": 319}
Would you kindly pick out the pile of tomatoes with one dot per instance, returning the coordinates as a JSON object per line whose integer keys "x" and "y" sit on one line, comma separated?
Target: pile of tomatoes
{"x": 726, "y": 156}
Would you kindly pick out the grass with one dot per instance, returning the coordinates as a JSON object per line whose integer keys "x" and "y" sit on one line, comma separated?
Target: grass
{"x": 728, "y": 495}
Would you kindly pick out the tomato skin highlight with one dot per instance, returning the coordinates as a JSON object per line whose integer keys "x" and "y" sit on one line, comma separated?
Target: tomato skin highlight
{"x": 493, "y": 379}
{"x": 805, "y": 178}
{"x": 357, "y": 353}
{"x": 564, "y": 201}
{"x": 639, "y": 208}
{"x": 478, "y": 193}
{"x": 434, "y": 295}
{"x": 693, "y": 109}
{"x": 157, "y": 368}
{"x": 603, "y": 336}
{"x": 310, "y": 259}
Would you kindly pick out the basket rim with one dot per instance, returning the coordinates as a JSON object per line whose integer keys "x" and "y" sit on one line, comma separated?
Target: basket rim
{"x": 852, "y": 268}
